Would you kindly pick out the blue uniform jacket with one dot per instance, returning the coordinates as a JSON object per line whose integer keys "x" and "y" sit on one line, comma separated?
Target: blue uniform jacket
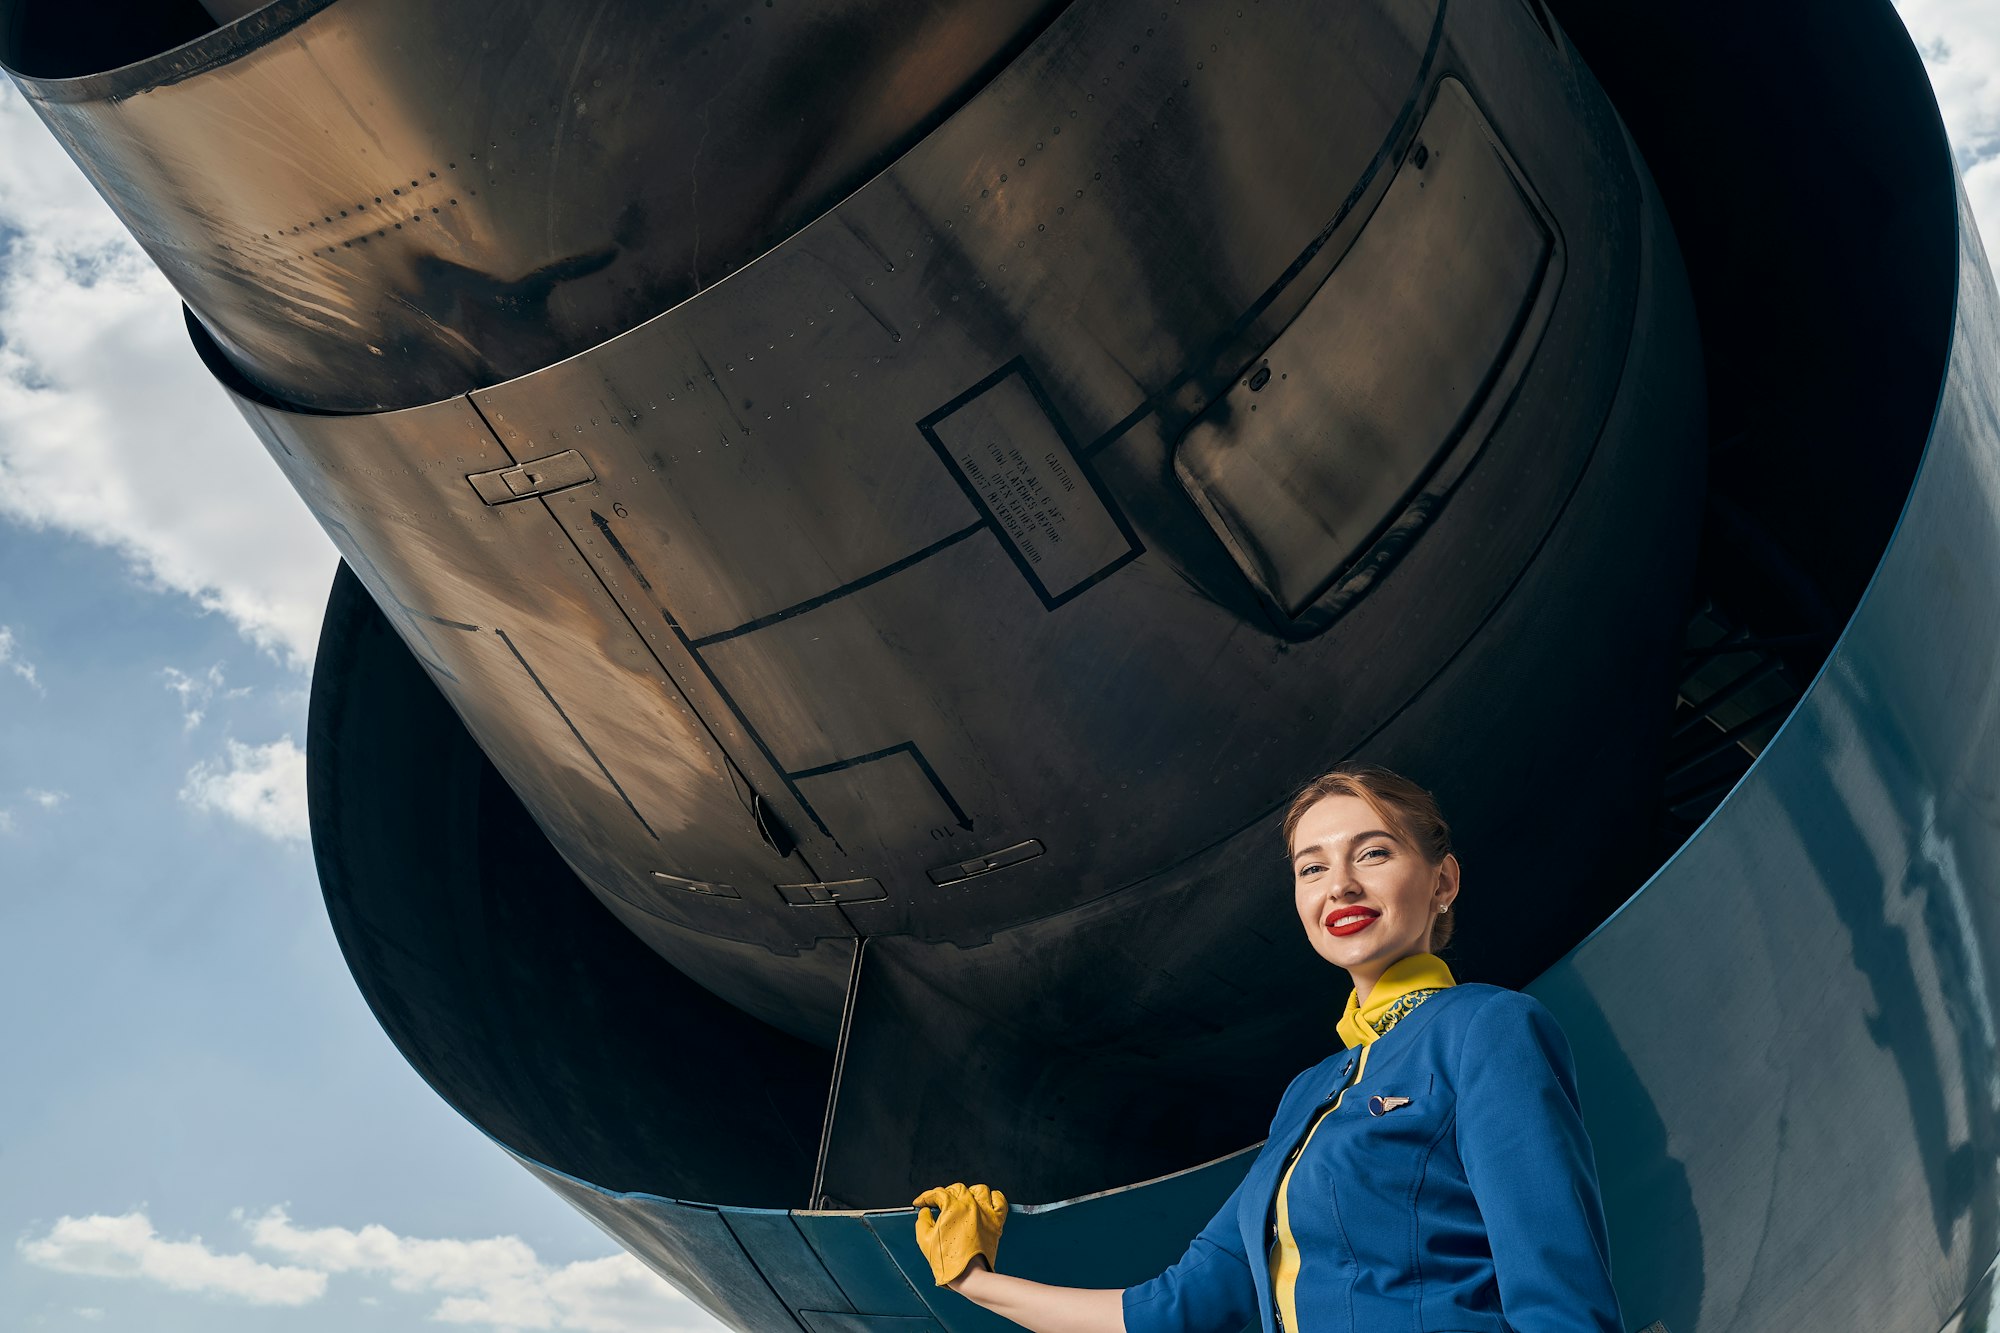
{"x": 1473, "y": 1209}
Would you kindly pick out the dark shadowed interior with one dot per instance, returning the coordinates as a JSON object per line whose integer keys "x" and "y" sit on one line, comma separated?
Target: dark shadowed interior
{"x": 520, "y": 999}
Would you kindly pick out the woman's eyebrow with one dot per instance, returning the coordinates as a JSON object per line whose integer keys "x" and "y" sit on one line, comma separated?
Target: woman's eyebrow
{"x": 1319, "y": 849}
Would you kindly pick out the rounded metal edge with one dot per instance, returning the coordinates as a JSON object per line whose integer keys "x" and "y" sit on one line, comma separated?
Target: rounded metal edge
{"x": 1842, "y": 645}
{"x": 239, "y": 386}
{"x": 217, "y": 47}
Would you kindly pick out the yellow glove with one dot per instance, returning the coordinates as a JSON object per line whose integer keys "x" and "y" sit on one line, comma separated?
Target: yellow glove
{"x": 967, "y": 1223}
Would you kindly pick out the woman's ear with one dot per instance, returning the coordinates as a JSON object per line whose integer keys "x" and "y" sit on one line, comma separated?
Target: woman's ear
{"x": 1448, "y": 879}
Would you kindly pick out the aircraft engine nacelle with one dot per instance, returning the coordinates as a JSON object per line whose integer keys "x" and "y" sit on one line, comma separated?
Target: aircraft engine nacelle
{"x": 858, "y": 517}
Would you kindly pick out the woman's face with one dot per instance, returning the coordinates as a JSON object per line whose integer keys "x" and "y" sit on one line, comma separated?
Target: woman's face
{"x": 1365, "y": 896}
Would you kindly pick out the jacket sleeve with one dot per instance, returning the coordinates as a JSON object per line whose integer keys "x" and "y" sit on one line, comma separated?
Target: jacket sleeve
{"x": 1532, "y": 1172}
{"x": 1208, "y": 1291}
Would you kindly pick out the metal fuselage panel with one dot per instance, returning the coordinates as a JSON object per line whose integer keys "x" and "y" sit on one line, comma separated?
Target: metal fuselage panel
{"x": 372, "y": 204}
{"x": 900, "y": 585}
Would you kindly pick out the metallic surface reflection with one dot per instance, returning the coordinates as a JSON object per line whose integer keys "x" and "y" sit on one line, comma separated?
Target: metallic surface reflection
{"x": 830, "y": 604}
{"x": 1796, "y": 1017}
{"x": 805, "y": 673}
{"x": 372, "y": 204}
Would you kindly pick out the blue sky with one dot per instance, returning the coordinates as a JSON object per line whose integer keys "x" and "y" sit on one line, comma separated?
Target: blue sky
{"x": 182, "y": 1038}
{"x": 201, "y": 1127}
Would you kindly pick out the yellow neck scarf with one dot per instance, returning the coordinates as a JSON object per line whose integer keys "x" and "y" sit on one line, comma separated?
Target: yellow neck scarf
{"x": 1406, "y": 983}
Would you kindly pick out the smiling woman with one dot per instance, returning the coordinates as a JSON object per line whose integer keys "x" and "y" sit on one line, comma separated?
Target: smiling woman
{"x": 1461, "y": 1192}
{"x": 1391, "y": 835}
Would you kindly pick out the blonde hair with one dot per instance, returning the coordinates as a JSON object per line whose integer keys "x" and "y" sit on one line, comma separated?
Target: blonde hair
{"x": 1408, "y": 810}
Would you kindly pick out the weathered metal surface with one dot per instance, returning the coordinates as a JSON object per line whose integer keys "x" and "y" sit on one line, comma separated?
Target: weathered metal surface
{"x": 872, "y": 553}
{"x": 371, "y": 204}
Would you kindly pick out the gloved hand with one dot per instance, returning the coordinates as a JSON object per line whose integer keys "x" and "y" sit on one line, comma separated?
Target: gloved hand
{"x": 967, "y": 1223}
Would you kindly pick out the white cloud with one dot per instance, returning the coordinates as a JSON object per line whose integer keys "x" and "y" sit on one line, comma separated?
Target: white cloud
{"x": 1960, "y": 40}
{"x": 617, "y": 1294}
{"x": 497, "y": 1282}
{"x": 1983, "y": 184}
{"x": 263, "y": 786}
{"x": 198, "y": 690}
{"x": 10, "y": 657}
{"x": 90, "y": 1312}
{"x": 110, "y": 427}
{"x": 46, "y": 801}
{"x": 129, "y": 1247}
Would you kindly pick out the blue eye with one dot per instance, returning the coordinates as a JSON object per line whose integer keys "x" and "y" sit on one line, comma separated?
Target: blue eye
{"x": 1374, "y": 851}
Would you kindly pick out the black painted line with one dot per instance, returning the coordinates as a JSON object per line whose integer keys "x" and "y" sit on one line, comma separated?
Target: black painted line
{"x": 865, "y": 581}
{"x": 976, "y": 391}
{"x": 841, "y": 765}
{"x": 728, "y": 701}
{"x": 916, "y": 755}
{"x": 448, "y": 624}
{"x": 579, "y": 735}
{"x": 1133, "y": 418}
{"x": 1104, "y": 496}
{"x": 603, "y": 526}
{"x": 958, "y": 813}
{"x": 372, "y": 577}
{"x": 1019, "y": 366}
{"x": 799, "y": 1325}
{"x": 737, "y": 778}
{"x": 1383, "y": 156}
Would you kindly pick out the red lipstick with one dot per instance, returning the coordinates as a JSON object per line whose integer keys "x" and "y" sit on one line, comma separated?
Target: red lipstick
{"x": 1352, "y": 927}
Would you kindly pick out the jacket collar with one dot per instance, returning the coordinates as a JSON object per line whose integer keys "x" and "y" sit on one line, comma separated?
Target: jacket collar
{"x": 1406, "y": 983}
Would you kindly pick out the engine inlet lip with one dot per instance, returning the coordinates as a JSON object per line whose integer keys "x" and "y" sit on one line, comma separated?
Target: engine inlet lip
{"x": 209, "y": 50}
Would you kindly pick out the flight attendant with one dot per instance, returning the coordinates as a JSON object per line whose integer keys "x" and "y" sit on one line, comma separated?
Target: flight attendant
{"x": 1433, "y": 1175}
